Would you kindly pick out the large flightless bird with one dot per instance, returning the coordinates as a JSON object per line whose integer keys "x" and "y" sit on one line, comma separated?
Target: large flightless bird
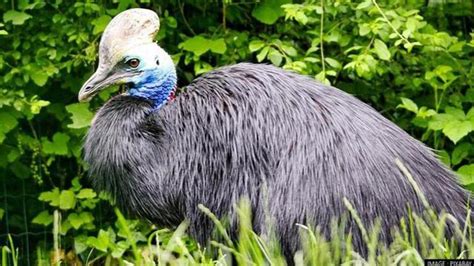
{"x": 290, "y": 145}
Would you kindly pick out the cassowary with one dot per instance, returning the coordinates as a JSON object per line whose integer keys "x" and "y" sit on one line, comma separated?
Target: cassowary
{"x": 290, "y": 145}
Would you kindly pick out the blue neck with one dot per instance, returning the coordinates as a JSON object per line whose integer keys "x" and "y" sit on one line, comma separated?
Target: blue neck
{"x": 154, "y": 87}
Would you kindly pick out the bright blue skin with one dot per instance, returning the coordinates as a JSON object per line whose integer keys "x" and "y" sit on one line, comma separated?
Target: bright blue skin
{"x": 154, "y": 85}
{"x": 151, "y": 80}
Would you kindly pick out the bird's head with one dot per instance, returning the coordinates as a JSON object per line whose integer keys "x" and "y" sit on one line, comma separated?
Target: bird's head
{"x": 129, "y": 56}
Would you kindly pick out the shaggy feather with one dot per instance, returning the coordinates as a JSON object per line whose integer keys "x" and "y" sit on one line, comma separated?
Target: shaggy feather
{"x": 292, "y": 146}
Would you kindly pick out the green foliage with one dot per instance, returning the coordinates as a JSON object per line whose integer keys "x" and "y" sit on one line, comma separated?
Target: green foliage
{"x": 80, "y": 115}
{"x": 269, "y": 11}
{"x": 411, "y": 60}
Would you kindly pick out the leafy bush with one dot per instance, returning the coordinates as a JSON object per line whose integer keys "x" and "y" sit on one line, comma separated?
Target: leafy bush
{"x": 411, "y": 60}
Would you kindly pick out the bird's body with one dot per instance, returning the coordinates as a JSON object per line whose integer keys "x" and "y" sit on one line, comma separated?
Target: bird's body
{"x": 293, "y": 147}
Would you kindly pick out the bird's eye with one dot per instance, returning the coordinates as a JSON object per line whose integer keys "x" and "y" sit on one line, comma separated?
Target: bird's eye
{"x": 133, "y": 63}
{"x": 157, "y": 62}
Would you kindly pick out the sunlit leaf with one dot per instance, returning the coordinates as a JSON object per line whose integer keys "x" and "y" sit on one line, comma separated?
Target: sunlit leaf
{"x": 456, "y": 130}
{"x": 67, "y": 200}
{"x": 263, "y": 53}
{"x": 198, "y": 45}
{"x": 268, "y": 11}
{"x": 17, "y": 18}
{"x": 275, "y": 57}
{"x": 381, "y": 50}
{"x": 43, "y": 218}
{"x": 408, "y": 104}
{"x": 80, "y": 115}
{"x": 256, "y": 45}
{"x": 466, "y": 174}
{"x": 58, "y": 146}
{"x": 100, "y": 23}
{"x": 39, "y": 77}
{"x": 51, "y": 196}
{"x": 86, "y": 193}
{"x": 217, "y": 46}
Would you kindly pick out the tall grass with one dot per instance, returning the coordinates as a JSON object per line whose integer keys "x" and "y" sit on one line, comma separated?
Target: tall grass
{"x": 9, "y": 253}
{"x": 418, "y": 236}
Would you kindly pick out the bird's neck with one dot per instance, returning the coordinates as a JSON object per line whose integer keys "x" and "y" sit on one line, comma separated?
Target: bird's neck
{"x": 123, "y": 156}
{"x": 159, "y": 89}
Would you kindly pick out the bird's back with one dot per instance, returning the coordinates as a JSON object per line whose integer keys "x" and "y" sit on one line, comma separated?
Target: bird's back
{"x": 296, "y": 148}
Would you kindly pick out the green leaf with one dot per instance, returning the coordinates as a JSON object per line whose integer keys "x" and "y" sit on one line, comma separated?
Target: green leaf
{"x": 321, "y": 76}
{"x": 364, "y": 29}
{"x": 51, "y": 196}
{"x": 86, "y": 193}
{"x": 412, "y": 24}
{"x": 456, "y": 113}
{"x": 365, "y": 4}
{"x": 65, "y": 227}
{"x": 456, "y": 130}
{"x": 37, "y": 105}
{"x": 59, "y": 145}
{"x": 268, "y": 11}
{"x": 424, "y": 112}
{"x": 217, "y": 46}
{"x": 44, "y": 218}
{"x": 291, "y": 51}
{"x": 198, "y": 45}
{"x": 101, "y": 242}
{"x": 275, "y": 57}
{"x": 381, "y": 50}
{"x": 100, "y": 23}
{"x": 301, "y": 18}
{"x": 39, "y": 77}
{"x": 120, "y": 248}
{"x": 80, "y": 244}
{"x": 8, "y": 122}
{"x": 332, "y": 62}
{"x": 17, "y": 18}
{"x": 256, "y": 45}
{"x": 202, "y": 67}
{"x": 438, "y": 121}
{"x": 408, "y": 104}
{"x": 466, "y": 174}
{"x": 444, "y": 157}
{"x": 77, "y": 220}
{"x": 443, "y": 72}
{"x": 81, "y": 116}
{"x": 2, "y": 212}
{"x": 262, "y": 54}
{"x": 86, "y": 217}
{"x": 67, "y": 200}
{"x": 456, "y": 47}
{"x": 470, "y": 115}
{"x": 460, "y": 152}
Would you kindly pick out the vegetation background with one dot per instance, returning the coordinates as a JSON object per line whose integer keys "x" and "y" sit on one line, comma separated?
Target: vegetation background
{"x": 411, "y": 60}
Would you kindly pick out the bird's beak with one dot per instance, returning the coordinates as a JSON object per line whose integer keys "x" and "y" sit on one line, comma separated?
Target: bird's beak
{"x": 99, "y": 81}
{"x": 92, "y": 86}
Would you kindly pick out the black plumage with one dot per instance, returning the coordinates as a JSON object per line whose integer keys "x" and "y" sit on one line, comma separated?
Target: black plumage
{"x": 292, "y": 146}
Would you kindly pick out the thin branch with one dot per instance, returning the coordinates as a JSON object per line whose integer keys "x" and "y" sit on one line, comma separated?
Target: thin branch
{"x": 388, "y": 22}
{"x": 370, "y": 44}
{"x": 181, "y": 9}
{"x": 321, "y": 36}
{"x": 224, "y": 6}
